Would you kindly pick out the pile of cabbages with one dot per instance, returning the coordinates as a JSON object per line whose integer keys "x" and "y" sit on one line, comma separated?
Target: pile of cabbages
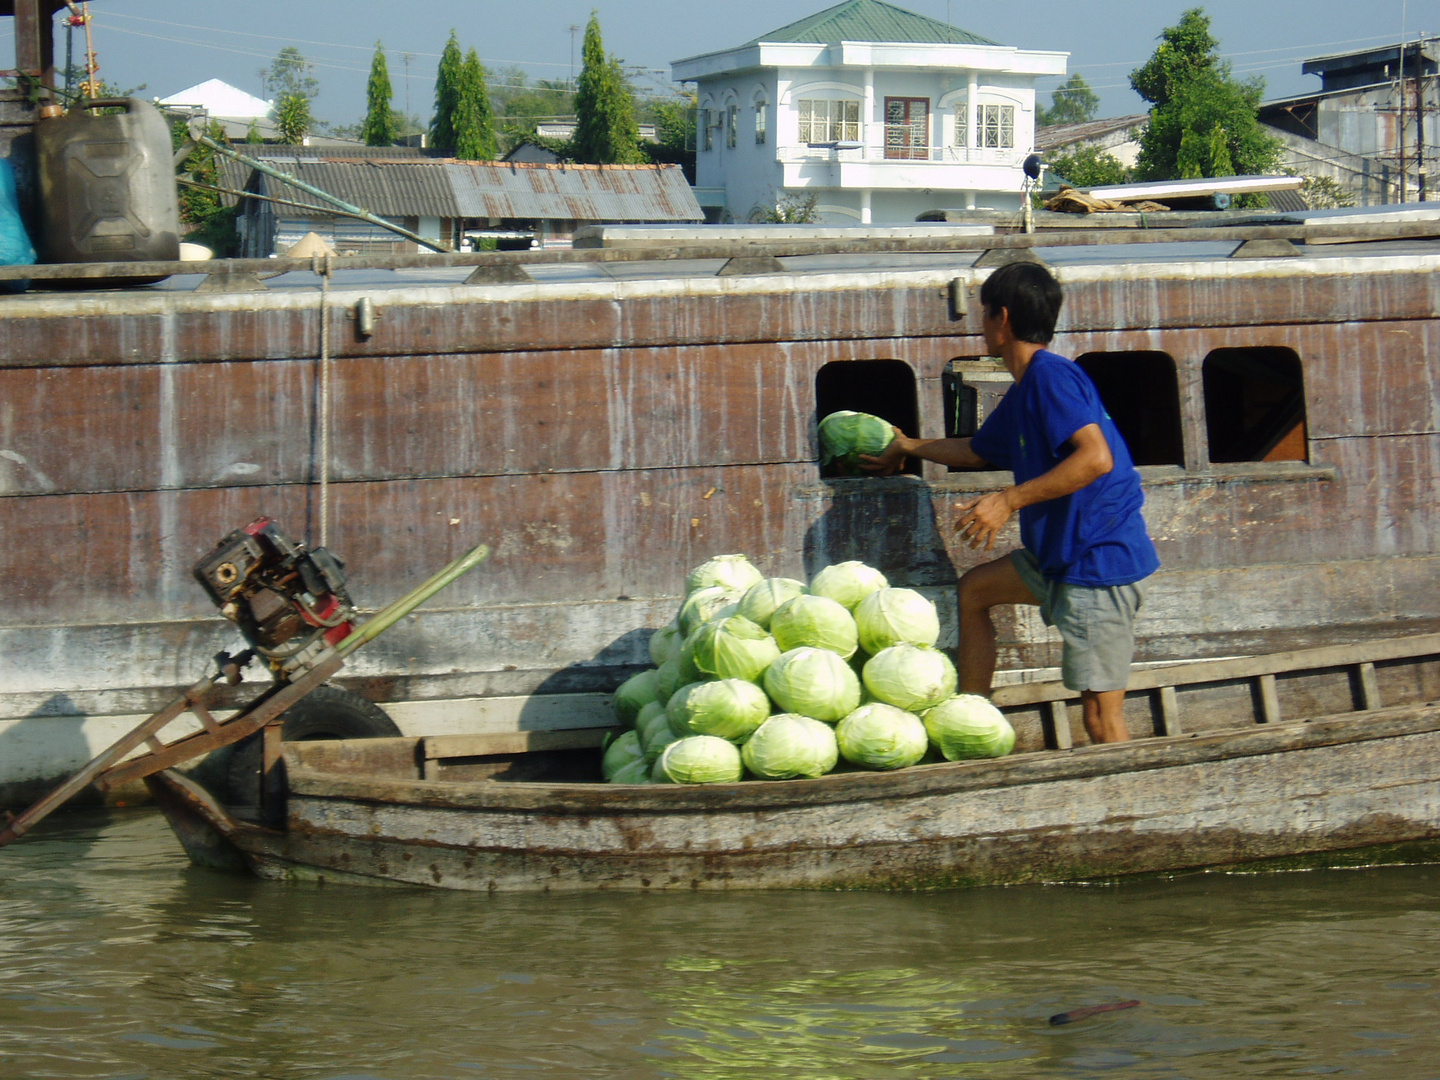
{"x": 773, "y": 679}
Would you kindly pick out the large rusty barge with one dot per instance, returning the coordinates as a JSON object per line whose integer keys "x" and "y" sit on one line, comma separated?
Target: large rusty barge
{"x": 607, "y": 419}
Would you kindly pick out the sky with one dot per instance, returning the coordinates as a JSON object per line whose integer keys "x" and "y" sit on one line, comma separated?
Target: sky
{"x": 169, "y": 45}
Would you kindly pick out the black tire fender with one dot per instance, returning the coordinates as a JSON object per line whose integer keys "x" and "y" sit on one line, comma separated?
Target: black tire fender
{"x": 327, "y": 712}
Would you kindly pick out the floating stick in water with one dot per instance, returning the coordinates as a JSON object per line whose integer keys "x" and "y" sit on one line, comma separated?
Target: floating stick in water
{"x": 1089, "y": 1011}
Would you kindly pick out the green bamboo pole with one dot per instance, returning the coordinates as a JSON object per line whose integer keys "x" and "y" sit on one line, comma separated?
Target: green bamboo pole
{"x": 392, "y": 613}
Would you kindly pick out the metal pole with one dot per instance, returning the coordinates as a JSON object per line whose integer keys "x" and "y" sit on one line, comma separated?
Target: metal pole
{"x": 1420, "y": 120}
{"x": 353, "y": 211}
{"x": 1401, "y": 125}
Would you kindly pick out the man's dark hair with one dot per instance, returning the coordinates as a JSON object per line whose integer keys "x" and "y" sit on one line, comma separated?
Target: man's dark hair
{"x": 1030, "y": 294}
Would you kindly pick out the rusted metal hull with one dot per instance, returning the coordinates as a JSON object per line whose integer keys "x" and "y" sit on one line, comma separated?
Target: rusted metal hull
{"x": 1297, "y": 791}
{"x": 605, "y": 438}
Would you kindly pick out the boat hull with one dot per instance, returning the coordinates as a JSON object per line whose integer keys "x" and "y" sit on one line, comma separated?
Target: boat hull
{"x": 1277, "y": 792}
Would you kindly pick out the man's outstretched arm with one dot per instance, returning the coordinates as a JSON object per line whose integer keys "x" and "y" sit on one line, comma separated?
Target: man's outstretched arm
{"x": 955, "y": 453}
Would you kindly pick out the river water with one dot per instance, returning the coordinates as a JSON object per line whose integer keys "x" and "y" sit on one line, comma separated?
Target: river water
{"x": 120, "y": 961}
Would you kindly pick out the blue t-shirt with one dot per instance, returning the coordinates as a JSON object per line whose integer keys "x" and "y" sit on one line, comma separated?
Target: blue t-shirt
{"x": 1094, "y": 536}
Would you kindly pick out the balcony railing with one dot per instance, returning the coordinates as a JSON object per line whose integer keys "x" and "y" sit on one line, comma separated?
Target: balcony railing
{"x": 907, "y": 155}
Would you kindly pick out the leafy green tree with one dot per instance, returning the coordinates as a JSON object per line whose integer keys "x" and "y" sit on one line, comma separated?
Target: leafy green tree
{"x": 1087, "y": 166}
{"x": 252, "y": 133}
{"x": 790, "y": 209}
{"x": 292, "y": 119}
{"x": 606, "y": 132}
{"x": 474, "y": 121}
{"x": 521, "y": 105}
{"x": 379, "y": 127}
{"x": 201, "y": 166}
{"x": 1326, "y": 193}
{"x": 557, "y": 146}
{"x": 447, "y": 95}
{"x": 208, "y": 221}
{"x": 674, "y": 121}
{"x": 1203, "y": 122}
{"x": 95, "y": 90}
{"x": 290, "y": 73}
{"x": 1073, "y": 102}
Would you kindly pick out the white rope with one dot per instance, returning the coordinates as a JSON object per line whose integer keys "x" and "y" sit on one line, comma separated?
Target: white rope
{"x": 323, "y": 268}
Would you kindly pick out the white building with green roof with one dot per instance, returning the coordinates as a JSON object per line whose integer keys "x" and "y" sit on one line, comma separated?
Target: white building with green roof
{"x": 877, "y": 112}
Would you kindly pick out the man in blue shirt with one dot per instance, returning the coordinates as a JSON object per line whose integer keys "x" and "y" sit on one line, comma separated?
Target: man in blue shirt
{"x": 1078, "y": 496}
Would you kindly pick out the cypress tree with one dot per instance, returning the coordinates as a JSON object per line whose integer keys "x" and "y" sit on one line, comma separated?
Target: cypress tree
{"x": 474, "y": 120}
{"x": 606, "y": 132}
{"x": 379, "y": 126}
{"x": 447, "y": 95}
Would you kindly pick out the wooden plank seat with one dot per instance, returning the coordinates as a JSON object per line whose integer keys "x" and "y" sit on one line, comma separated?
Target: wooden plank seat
{"x": 1164, "y": 684}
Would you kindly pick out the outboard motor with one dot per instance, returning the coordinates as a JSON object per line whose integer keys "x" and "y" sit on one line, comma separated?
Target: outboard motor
{"x": 289, "y": 602}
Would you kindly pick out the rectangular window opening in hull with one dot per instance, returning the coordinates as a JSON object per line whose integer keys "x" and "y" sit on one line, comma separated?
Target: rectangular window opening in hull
{"x": 1255, "y": 405}
{"x": 883, "y": 388}
{"x": 1141, "y": 391}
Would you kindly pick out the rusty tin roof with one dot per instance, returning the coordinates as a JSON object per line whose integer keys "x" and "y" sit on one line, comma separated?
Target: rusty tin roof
{"x": 523, "y": 190}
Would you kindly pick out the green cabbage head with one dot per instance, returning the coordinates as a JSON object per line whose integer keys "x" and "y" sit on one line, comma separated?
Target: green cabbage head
{"x": 813, "y": 682}
{"x": 665, "y": 643}
{"x": 968, "y": 726}
{"x": 634, "y": 694}
{"x": 789, "y": 745}
{"x": 655, "y": 730}
{"x": 699, "y": 759}
{"x": 731, "y": 648}
{"x": 622, "y": 751}
{"x": 669, "y": 677}
{"x": 704, "y": 605}
{"x": 733, "y": 572}
{"x": 761, "y": 599}
{"x": 845, "y": 435}
{"x": 880, "y": 736}
{"x": 910, "y": 677}
{"x": 815, "y": 621}
{"x": 847, "y": 583}
{"x": 889, "y": 616}
{"x": 728, "y": 709}
{"x": 636, "y": 772}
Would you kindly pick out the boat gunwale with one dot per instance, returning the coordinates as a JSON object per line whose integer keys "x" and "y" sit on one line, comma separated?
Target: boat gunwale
{"x": 600, "y": 799}
{"x": 946, "y": 239}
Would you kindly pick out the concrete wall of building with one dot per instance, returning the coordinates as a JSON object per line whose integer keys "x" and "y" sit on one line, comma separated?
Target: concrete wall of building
{"x": 1372, "y": 181}
{"x": 952, "y": 170}
{"x": 730, "y": 111}
{"x": 1355, "y": 138}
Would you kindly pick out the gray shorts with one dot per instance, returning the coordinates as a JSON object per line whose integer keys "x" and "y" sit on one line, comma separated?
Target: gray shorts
{"x": 1097, "y": 625}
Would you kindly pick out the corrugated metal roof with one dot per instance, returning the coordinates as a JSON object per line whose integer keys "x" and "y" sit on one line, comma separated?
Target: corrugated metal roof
{"x": 483, "y": 189}
{"x": 1057, "y": 135}
{"x": 871, "y": 20}
{"x": 389, "y": 188}
{"x": 518, "y": 190}
{"x": 236, "y": 174}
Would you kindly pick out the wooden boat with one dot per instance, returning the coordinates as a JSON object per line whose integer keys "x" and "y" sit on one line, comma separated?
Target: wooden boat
{"x": 1358, "y": 781}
